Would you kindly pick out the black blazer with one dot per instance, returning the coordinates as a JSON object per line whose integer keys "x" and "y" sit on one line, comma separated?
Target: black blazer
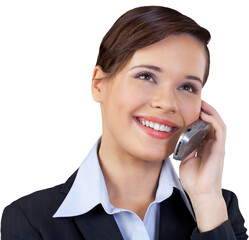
{"x": 30, "y": 218}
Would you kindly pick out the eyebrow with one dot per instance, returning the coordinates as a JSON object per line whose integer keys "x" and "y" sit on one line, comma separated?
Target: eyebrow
{"x": 158, "y": 69}
{"x": 190, "y": 77}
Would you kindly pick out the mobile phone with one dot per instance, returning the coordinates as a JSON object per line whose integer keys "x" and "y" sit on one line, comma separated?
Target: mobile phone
{"x": 191, "y": 139}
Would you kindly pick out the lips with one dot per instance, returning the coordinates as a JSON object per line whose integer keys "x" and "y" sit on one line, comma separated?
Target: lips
{"x": 156, "y": 127}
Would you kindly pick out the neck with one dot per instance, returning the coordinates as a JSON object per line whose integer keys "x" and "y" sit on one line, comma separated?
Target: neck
{"x": 131, "y": 182}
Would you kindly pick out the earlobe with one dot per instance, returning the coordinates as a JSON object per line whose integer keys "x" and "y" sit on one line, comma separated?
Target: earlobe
{"x": 97, "y": 84}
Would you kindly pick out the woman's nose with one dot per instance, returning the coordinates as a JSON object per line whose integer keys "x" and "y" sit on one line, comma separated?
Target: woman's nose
{"x": 165, "y": 100}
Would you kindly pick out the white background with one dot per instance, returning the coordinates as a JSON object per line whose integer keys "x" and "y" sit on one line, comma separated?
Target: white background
{"x": 48, "y": 120}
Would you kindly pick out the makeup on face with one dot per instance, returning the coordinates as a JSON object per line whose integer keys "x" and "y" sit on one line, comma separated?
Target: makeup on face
{"x": 154, "y": 98}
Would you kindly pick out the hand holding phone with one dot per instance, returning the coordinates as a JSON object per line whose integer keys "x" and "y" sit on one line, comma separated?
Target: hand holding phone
{"x": 191, "y": 139}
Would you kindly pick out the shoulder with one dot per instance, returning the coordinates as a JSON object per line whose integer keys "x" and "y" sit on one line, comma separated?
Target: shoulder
{"x": 31, "y": 216}
{"x": 39, "y": 200}
{"x": 40, "y": 203}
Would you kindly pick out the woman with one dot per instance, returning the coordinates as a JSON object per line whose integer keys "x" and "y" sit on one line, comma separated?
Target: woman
{"x": 148, "y": 79}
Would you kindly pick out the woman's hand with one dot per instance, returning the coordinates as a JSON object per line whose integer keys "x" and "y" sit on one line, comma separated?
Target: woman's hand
{"x": 201, "y": 173}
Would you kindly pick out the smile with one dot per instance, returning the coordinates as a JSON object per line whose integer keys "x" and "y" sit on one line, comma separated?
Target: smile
{"x": 156, "y": 127}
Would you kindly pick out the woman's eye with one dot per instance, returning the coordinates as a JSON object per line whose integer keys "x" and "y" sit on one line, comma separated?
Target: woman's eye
{"x": 189, "y": 87}
{"x": 146, "y": 76}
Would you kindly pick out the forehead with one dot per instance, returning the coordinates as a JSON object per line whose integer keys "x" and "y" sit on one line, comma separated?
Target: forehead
{"x": 176, "y": 53}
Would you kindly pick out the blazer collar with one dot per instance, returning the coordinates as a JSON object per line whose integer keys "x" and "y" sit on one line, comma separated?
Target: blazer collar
{"x": 97, "y": 224}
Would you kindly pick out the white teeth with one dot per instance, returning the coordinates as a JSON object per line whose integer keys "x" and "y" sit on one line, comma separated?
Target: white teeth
{"x": 167, "y": 129}
{"x": 156, "y": 126}
{"x": 162, "y": 127}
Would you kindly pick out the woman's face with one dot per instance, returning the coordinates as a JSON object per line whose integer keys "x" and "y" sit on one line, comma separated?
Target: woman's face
{"x": 153, "y": 99}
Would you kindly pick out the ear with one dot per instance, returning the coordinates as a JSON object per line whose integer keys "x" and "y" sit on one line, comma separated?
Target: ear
{"x": 98, "y": 84}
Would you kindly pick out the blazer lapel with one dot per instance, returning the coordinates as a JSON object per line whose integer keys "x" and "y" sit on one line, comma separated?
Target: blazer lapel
{"x": 176, "y": 222}
{"x": 97, "y": 224}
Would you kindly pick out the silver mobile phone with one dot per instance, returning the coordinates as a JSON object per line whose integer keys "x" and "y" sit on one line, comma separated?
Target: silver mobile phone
{"x": 191, "y": 139}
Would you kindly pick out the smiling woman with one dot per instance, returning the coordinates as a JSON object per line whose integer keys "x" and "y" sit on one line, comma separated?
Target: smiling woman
{"x": 151, "y": 68}
{"x": 159, "y": 89}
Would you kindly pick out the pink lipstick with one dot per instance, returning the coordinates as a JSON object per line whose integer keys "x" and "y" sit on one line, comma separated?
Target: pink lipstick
{"x": 156, "y": 127}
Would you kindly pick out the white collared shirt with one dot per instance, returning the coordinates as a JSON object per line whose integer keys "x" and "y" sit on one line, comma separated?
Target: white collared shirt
{"x": 89, "y": 190}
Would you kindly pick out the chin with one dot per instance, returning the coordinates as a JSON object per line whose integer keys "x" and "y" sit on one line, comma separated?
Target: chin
{"x": 156, "y": 156}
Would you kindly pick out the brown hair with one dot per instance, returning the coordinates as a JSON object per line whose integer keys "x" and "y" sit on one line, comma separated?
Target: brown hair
{"x": 141, "y": 27}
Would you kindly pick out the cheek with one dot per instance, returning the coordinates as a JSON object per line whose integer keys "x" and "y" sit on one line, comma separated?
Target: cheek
{"x": 190, "y": 110}
{"x": 130, "y": 98}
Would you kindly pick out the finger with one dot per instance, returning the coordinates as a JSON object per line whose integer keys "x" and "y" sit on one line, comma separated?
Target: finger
{"x": 208, "y": 109}
{"x": 218, "y": 128}
{"x": 210, "y": 115}
{"x": 190, "y": 156}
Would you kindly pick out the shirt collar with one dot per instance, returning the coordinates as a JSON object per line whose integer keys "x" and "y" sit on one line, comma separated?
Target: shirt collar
{"x": 89, "y": 188}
